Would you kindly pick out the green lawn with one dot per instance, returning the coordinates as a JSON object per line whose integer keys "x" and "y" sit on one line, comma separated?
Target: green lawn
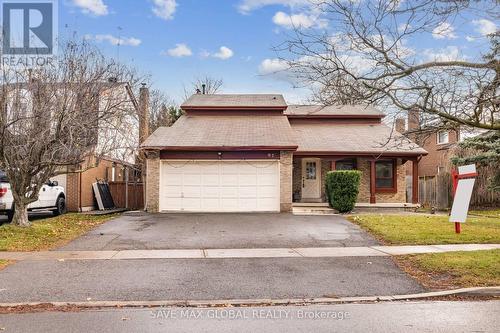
{"x": 49, "y": 233}
{"x": 454, "y": 269}
{"x": 424, "y": 229}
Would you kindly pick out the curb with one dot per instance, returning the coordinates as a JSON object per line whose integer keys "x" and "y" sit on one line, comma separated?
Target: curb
{"x": 475, "y": 291}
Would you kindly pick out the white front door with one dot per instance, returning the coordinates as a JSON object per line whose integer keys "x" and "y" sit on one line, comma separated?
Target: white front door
{"x": 220, "y": 186}
{"x": 311, "y": 179}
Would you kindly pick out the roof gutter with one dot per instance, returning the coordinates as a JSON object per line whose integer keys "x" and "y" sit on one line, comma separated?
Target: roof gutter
{"x": 220, "y": 148}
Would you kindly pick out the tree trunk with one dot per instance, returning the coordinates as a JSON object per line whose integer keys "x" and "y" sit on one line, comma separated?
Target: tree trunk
{"x": 21, "y": 215}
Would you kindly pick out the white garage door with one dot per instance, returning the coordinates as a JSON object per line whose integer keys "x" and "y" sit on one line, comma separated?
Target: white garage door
{"x": 219, "y": 186}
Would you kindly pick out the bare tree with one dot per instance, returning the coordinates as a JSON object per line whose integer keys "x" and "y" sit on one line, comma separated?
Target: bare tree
{"x": 366, "y": 56}
{"x": 206, "y": 84}
{"x": 57, "y": 116}
{"x": 163, "y": 110}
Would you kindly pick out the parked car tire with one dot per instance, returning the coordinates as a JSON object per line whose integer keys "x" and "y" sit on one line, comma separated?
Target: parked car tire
{"x": 10, "y": 215}
{"x": 60, "y": 206}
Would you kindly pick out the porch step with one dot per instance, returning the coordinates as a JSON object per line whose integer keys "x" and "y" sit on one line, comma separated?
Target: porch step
{"x": 310, "y": 204}
{"x": 313, "y": 210}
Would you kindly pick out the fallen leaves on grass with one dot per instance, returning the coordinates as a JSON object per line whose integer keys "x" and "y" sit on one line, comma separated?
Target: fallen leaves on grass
{"x": 453, "y": 269}
{"x": 48, "y": 233}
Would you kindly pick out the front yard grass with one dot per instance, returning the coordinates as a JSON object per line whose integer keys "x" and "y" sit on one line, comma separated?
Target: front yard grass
{"x": 454, "y": 269}
{"x": 49, "y": 233}
{"x": 425, "y": 229}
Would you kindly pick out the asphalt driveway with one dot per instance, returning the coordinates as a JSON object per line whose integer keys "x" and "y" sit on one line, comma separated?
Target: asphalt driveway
{"x": 145, "y": 231}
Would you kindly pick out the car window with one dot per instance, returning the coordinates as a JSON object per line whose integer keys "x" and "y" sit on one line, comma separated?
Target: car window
{"x": 3, "y": 177}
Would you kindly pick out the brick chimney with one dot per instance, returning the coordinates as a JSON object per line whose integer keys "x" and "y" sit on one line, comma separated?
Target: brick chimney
{"x": 413, "y": 119}
{"x": 400, "y": 125}
{"x": 143, "y": 113}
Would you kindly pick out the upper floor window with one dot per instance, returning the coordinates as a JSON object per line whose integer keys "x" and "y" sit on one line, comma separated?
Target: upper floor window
{"x": 442, "y": 137}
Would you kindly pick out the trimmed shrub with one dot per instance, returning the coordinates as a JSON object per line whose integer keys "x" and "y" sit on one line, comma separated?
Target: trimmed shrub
{"x": 342, "y": 188}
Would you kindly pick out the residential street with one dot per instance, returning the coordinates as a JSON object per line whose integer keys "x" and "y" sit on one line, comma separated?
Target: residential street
{"x": 207, "y": 279}
{"x": 380, "y": 317}
{"x": 200, "y": 279}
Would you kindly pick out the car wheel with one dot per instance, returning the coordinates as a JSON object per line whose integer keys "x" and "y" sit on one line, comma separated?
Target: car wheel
{"x": 60, "y": 206}
{"x": 10, "y": 215}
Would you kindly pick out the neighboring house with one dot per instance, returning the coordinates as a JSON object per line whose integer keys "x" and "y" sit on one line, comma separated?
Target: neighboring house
{"x": 120, "y": 161}
{"x": 78, "y": 180}
{"x": 112, "y": 153}
{"x": 438, "y": 143}
{"x": 248, "y": 153}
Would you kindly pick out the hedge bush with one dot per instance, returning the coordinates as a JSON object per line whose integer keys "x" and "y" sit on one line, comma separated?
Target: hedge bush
{"x": 342, "y": 188}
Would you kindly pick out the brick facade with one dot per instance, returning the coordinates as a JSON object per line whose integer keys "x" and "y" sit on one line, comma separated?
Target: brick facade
{"x": 364, "y": 188}
{"x": 364, "y": 192}
{"x": 286, "y": 172}
{"x": 153, "y": 182}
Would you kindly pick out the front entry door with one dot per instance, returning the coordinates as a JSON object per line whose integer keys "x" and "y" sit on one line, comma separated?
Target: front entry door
{"x": 311, "y": 179}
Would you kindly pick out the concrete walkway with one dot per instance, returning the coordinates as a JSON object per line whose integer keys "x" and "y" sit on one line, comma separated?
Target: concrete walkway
{"x": 316, "y": 252}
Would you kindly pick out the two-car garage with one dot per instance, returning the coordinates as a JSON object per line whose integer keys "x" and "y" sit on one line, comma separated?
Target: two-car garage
{"x": 219, "y": 186}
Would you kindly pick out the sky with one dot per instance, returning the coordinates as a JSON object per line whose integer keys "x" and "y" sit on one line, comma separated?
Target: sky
{"x": 176, "y": 41}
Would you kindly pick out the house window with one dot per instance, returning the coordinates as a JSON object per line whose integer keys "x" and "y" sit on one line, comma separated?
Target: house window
{"x": 442, "y": 137}
{"x": 384, "y": 175}
{"x": 347, "y": 164}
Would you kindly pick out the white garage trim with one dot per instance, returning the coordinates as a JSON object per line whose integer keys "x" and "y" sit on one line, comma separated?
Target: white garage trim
{"x": 220, "y": 185}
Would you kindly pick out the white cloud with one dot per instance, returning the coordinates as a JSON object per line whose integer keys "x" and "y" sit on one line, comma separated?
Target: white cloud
{"x": 404, "y": 27}
{"x": 224, "y": 53}
{"x": 246, "y": 6}
{"x": 300, "y": 20}
{"x": 470, "y": 38}
{"x": 126, "y": 41}
{"x": 450, "y": 53}
{"x": 293, "y": 21}
{"x": 272, "y": 66}
{"x": 180, "y": 50}
{"x": 485, "y": 27}
{"x": 96, "y": 7}
{"x": 444, "y": 31}
{"x": 164, "y": 9}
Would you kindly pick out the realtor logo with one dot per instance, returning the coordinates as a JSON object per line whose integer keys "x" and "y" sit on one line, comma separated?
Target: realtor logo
{"x": 29, "y": 29}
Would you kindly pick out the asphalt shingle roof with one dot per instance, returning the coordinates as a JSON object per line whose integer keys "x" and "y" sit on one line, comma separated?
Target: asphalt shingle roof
{"x": 366, "y": 138}
{"x": 235, "y": 100}
{"x": 332, "y": 110}
{"x": 230, "y": 131}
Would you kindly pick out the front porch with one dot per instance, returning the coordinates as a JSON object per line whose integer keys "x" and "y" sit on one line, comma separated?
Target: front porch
{"x": 383, "y": 180}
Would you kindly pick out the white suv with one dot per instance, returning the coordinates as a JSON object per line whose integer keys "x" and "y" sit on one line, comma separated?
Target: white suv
{"x": 51, "y": 197}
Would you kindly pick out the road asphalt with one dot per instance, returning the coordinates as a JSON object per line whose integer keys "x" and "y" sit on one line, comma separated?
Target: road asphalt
{"x": 202, "y": 279}
{"x": 428, "y": 316}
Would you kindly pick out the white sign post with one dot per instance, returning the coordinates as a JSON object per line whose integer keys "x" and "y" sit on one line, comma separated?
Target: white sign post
{"x": 463, "y": 184}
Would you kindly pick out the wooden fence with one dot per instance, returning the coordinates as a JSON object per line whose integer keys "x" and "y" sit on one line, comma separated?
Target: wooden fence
{"x": 135, "y": 194}
{"x": 436, "y": 191}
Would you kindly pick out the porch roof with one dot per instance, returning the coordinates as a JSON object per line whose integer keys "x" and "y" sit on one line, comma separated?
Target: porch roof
{"x": 353, "y": 139}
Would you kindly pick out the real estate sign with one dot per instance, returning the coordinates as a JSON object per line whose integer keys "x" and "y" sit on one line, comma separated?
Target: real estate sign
{"x": 463, "y": 193}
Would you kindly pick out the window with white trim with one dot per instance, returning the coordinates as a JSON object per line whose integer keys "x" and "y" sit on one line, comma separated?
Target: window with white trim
{"x": 442, "y": 137}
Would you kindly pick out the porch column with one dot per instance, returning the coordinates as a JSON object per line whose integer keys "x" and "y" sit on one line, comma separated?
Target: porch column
{"x": 414, "y": 186}
{"x": 333, "y": 167}
{"x": 372, "y": 182}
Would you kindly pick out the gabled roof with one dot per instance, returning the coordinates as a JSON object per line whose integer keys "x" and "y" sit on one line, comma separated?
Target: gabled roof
{"x": 234, "y": 101}
{"x": 219, "y": 133}
{"x": 333, "y": 111}
{"x": 363, "y": 138}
